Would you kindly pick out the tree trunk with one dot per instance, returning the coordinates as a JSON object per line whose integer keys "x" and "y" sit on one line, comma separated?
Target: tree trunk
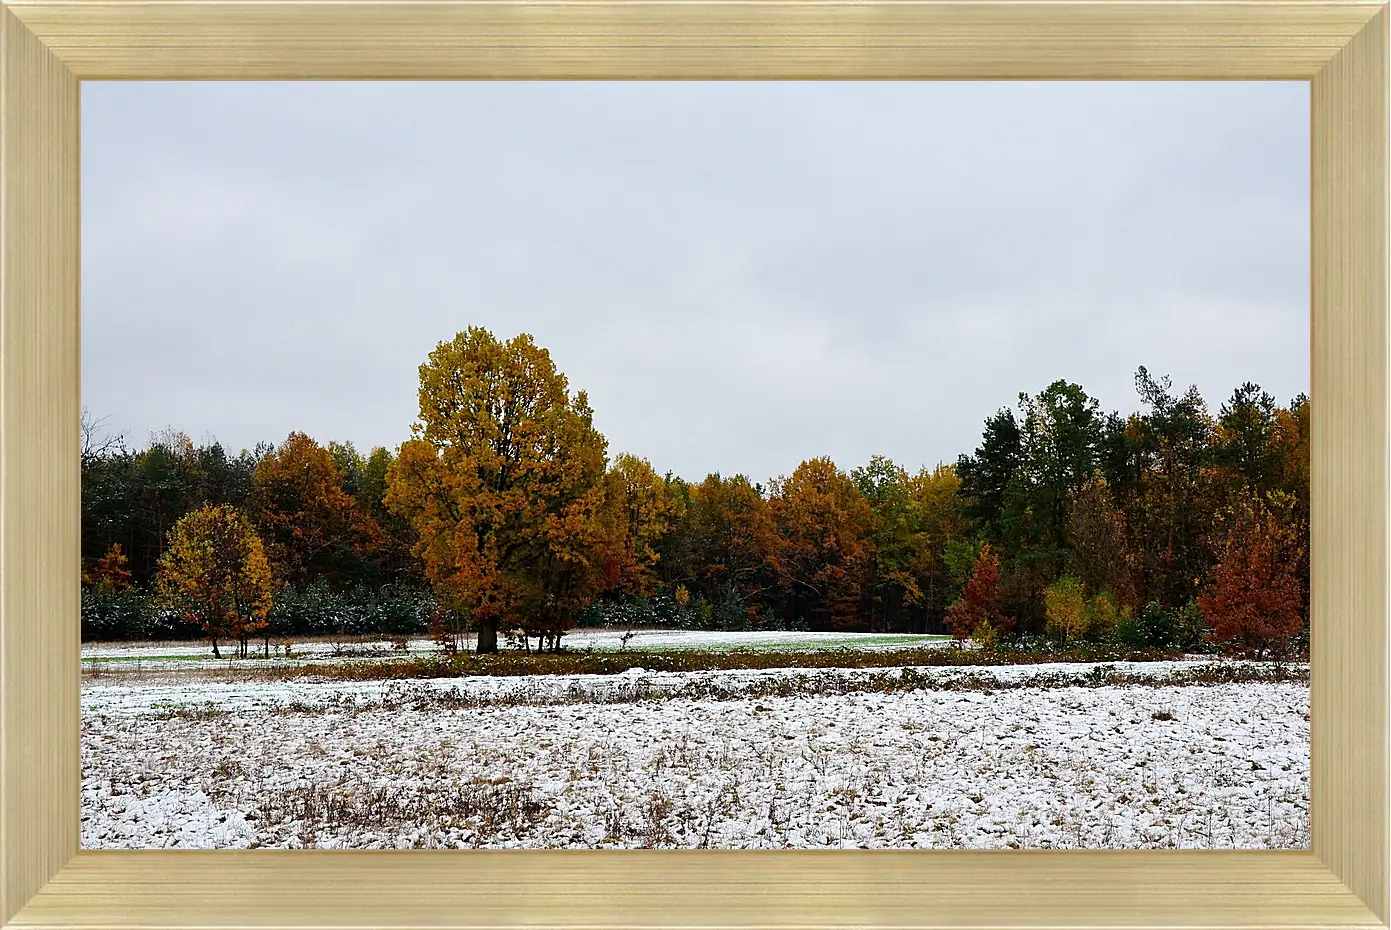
{"x": 487, "y": 636}
{"x": 216, "y": 654}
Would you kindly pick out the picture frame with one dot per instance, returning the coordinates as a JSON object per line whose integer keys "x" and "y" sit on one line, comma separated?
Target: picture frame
{"x": 49, "y": 47}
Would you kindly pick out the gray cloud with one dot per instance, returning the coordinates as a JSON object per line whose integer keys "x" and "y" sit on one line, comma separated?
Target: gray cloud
{"x": 740, "y": 275}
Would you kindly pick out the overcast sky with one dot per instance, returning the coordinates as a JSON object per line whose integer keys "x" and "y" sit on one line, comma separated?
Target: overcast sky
{"x": 741, "y": 275}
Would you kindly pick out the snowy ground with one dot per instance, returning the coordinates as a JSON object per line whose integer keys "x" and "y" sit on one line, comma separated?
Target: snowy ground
{"x": 1016, "y": 756}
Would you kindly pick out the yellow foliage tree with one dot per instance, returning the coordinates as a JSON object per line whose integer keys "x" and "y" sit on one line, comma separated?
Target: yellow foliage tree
{"x": 503, "y": 482}
{"x": 1104, "y": 613}
{"x": 1065, "y": 605}
{"x": 639, "y": 509}
{"x": 215, "y": 573}
{"x": 936, "y": 496}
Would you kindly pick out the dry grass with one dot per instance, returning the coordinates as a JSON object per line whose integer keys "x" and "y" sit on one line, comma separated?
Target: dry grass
{"x": 613, "y": 663}
{"x": 812, "y": 684}
{"x": 488, "y": 808}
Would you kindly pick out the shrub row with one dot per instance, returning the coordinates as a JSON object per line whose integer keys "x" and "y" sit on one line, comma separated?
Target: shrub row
{"x": 315, "y": 610}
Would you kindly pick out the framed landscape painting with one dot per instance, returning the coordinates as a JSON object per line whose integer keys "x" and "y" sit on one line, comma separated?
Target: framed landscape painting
{"x": 742, "y": 503}
{"x": 662, "y": 451}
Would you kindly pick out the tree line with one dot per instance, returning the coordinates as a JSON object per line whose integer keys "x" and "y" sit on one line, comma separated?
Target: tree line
{"x": 505, "y": 513}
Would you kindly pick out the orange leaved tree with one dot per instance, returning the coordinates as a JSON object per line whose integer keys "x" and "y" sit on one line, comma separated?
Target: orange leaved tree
{"x": 299, "y": 505}
{"x": 1256, "y": 596}
{"x": 503, "y": 482}
{"x": 111, "y": 572}
{"x": 729, "y": 525}
{"x": 824, "y": 524}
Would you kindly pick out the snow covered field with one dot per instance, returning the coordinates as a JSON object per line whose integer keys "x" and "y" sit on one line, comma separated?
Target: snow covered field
{"x": 964, "y": 757}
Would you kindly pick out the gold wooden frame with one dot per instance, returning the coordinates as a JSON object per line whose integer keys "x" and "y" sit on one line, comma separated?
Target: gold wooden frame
{"x": 47, "y": 47}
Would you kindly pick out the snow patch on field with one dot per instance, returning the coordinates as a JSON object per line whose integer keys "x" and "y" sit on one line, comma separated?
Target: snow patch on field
{"x": 180, "y": 817}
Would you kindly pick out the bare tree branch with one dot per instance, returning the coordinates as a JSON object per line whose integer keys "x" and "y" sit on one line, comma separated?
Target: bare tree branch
{"x": 95, "y": 445}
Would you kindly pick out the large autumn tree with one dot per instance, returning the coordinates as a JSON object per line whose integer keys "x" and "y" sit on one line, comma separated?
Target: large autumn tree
{"x": 503, "y": 482}
{"x": 214, "y": 573}
{"x": 308, "y": 520}
{"x": 824, "y": 525}
{"x": 730, "y": 543}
